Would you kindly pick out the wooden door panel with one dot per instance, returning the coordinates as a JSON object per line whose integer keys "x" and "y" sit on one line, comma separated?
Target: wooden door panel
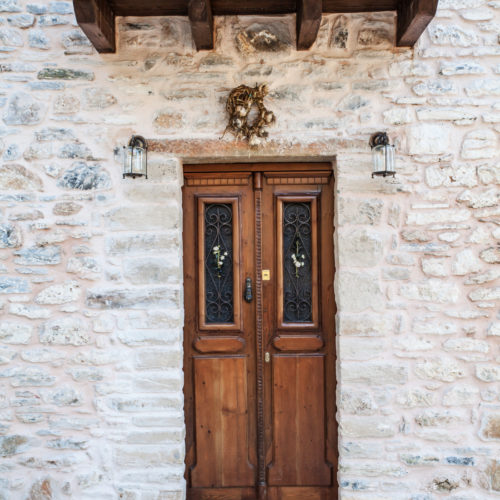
{"x": 300, "y": 493}
{"x": 302, "y": 343}
{"x": 208, "y": 345}
{"x": 298, "y": 422}
{"x": 222, "y": 426}
{"x": 259, "y": 373}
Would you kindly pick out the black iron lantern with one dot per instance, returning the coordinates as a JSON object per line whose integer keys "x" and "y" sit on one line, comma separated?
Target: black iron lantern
{"x": 383, "y": 155}
{"x": 135, "y": 158}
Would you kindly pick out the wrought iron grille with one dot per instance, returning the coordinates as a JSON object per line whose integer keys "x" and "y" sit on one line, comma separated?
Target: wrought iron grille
{"x": 219, "y": 307}
{"x": 297, "y": 250}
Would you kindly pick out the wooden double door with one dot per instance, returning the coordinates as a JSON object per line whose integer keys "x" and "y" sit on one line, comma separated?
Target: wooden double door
{"x": 259, "y": 354}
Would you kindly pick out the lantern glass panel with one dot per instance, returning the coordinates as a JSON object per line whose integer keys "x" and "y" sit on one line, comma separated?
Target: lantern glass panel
{"x": 378, "y": 155}
{"x": 390, "y": 159}
{"x": 127, "y": 160}
{"x": 139, "y": 161}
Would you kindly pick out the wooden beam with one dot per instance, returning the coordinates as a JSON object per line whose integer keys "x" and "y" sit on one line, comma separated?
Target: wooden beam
{"x": 413, "y": 18}
{"x": 202, "y": 24}
{"x": 308, "y": 22}
{"x": 97, "y": 20}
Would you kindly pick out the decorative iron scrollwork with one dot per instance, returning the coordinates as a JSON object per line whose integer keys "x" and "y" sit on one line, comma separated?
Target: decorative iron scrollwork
{"x": 297, "y": 258}
{"x": 219, "y": 306}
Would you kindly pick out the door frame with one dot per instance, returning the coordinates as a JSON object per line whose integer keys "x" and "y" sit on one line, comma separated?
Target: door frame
{"x": 210, "y": 167}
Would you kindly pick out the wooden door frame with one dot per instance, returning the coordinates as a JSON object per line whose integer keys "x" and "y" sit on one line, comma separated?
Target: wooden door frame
{"x": 209, "y": 166}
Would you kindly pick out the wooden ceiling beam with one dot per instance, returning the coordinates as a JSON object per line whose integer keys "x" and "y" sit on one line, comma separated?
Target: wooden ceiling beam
{"x": 308, "y": 22}
{"x": 202, "y": 24}
{"x": 97, "y": 20}
{"x": 413, "y": 18}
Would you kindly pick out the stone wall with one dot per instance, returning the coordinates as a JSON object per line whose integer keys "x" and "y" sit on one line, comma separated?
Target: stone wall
{"x": 90, "y": 264}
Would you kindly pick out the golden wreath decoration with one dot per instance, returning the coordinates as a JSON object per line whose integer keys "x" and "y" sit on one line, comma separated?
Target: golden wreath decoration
{"x": 239, "y": 104}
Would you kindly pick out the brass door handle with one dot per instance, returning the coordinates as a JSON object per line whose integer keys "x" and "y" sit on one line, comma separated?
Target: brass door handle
{"x": 248, "y": 290}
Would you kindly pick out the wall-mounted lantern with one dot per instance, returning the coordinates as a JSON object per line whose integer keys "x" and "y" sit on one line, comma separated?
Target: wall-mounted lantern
{"x": 135, "y": 158}
{"x": 383, "y": 155}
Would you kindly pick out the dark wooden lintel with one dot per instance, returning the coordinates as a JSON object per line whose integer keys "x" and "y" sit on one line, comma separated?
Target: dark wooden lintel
{"x": 202, "y": 24}
{"x": 308, "y": 22}
{"x": 97, "y": 20}
{"x": 413, "y": 18}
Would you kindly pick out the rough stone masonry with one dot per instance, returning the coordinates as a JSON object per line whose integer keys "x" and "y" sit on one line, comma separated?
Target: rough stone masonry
{"x": 91, "y": 403}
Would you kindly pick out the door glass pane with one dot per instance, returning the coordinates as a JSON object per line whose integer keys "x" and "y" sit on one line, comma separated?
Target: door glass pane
{"x": 297, "y": 258}
{"x": 219, "y": 306}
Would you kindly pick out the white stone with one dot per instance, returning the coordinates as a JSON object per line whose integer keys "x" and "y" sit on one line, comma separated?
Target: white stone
{"x": 415, "y": 398}
{"x": 358, "y": 291}
{"x": 373, "y": 373}
{"x": 466, "y": 345}
{"x": 461, "y": 395}
{"x": 488, "y": 373}
{"x": 485, "y": 294}
{"x": 480, "y": 235}
{"x": 479, "y": 144}
{"x": 359, "y": 248}
{"x": 434, "y": 216}
{"x": 445, "y": 370}
{"x": 65, "y": 331}
{"x": 432, "y": 290}
{"x": 15, "y": 333}
{"x": 59, "y": 294}
{"x": 367, "y": 427}
{"x": 465, "y": 262}
{"x": 29, "y": 311}
{"x": 398, "y": 116}
{"x": 494, "y": 329}
{"x": 436, "y": 267}
{"x": 427, "y": 139}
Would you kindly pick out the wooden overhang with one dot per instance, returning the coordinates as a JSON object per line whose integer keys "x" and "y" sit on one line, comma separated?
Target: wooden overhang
{"x": 97, "y": 17}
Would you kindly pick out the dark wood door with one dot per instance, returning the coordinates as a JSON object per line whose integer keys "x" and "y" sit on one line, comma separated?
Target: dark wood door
{"x": 259, "y": 353}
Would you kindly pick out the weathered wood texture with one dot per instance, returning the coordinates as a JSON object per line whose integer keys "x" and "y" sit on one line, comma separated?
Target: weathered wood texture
{"x": 413, "y": 18}
{"x": 97, "y": 17}
{"x": 202, "y": 24}
{"x": 259, "y": 407}
{"x": 97, "y": 20}
{"x": 308, "y": 22}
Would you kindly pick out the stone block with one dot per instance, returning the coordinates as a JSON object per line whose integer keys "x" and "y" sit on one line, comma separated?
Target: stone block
{"x": 152, "y": 270}
{"x": 13, "y": 444}
{"x": 483, "y": 87}
{"x": 358, "y": 211}
{"x": 461, "y": 395}
{"x": 63, "y": 396}
{"x": 373, "y": 373}
{"x": 157, "y": 359}
{"x": 432, "y": 290}
{"x": 479, "y": 144}
{"x": 59, "y": 294}
{"x": 17, "y": 177}
{"x": 465, "y": 262}
{"x": 435, "y": 267}
{"x": 10, "y": 285}
{"x": 488, "y": 373}
{"x": 152, "y": 217}
{"x": 76, "y": 42}
{"x": 485, "y": 294}
{"x": 490, "y": 427}
{"x": 37, "y": 39}
{"x": 28, "y": 376}
{"x": 368, "y": 427}
{"x": 65, "y": 74}
{"x": 42, "y": 355}
{"x": 454, "y": 35}
{"x": 358, "y": 291}
{"x": 359, "y": 248}
{"x": 10, "y": 236}
{"x": 436, "y": 216}
{"x": 15, "y": 333}
{"x": 443, "y": 369}
{"x": 119, "y": 298}
{"x": 427, "y": 139}
{"x": 65, "y": 331}
{"x": 39, "y": 256}
{"x": 491, "y": 255}
{"x": 263, "y": 37}
{"x": 84, "y": 177}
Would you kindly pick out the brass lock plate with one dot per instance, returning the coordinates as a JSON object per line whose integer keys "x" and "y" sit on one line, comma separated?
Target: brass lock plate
{"x": 266, "y": 274}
